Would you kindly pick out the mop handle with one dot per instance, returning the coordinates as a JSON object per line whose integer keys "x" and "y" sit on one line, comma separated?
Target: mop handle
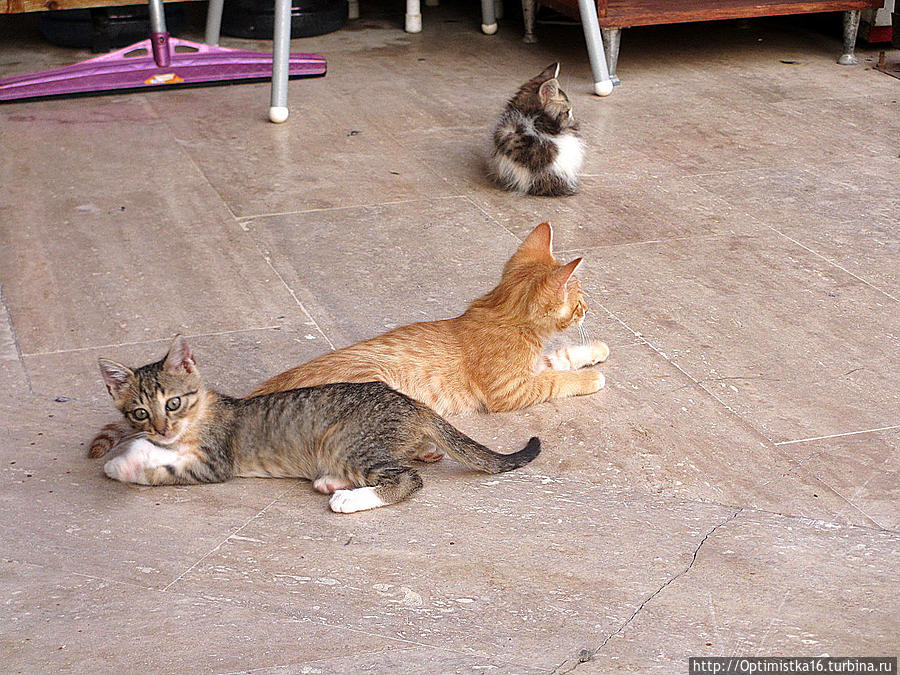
{"x": 159, "y": 37}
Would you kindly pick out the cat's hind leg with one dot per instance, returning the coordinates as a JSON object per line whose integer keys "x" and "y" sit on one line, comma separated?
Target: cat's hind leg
{"x": 427, "y": 451}
{"x": 387, "y": 484}
{"x": 573, "y": 357}
{"x": 328, "y": 484}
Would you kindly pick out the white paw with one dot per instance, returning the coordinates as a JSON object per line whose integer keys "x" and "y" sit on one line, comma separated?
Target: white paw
{"x": 138, "y": 456}
{"x": 127, "y": 468}
{"x": 599, "y": 352}
{"x": 350, "y": 501}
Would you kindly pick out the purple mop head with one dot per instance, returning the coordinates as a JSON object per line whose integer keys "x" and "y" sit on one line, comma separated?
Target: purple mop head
{"x": 136, "y": 67}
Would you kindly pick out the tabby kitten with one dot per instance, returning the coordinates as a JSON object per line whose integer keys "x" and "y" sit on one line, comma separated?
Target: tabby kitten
{"x": 537, "y": 147}
{"x": 351, "y": 439}
{"x": 490, "y": 358}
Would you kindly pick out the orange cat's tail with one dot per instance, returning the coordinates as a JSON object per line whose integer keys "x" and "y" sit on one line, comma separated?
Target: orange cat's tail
{"x": 463, "y": 449}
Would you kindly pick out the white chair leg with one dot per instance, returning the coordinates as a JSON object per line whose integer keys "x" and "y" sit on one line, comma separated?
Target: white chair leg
{"x": 488, "y": 19}
{"x": 281, "y": 57}
{"x": 603, "y": 85}
{"x": 413, "y": 17}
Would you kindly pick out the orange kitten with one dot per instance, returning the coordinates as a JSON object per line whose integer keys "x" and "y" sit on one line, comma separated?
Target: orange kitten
{"x": 490, "y": 358}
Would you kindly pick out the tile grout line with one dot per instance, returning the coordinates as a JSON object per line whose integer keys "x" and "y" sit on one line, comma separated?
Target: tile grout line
{"x": 370, "y": 205}
{"x": 75, "y": 350}
{"x": 183, "y": 147}
{"x": 667, "y": 240}
{"x": 12, "y": 332}
{"x": 841, "y": 435}
{"x": 220, "y": 544}
{"x": 402, "y": 643}
{"x": 492, "y": 219}
{"x": 698, "y": 383}
{"x": 833, "y": 263}
{"x": 290, "y": 291}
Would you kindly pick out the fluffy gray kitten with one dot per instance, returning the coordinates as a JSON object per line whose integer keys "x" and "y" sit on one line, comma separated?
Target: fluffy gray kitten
{"x": 537, "y": 147}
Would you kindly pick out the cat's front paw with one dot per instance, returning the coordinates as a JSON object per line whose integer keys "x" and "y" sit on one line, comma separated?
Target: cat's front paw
{"x": 350, "y": 501}
{"x": 599, "y": 352}
{"x": 126, "y": 468}
{"x": 130, "y": 466}
{"x": 594, "y": 381}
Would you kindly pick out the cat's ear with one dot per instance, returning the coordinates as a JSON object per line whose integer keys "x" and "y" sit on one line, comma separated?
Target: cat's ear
{"x": 115, "y": 375}
{"x": 179, "y": 359}
{"x": 539, "y": 241}
{"x": 561, "y": 277}
{"x": 548, "y": 91}
{"x": 550, "y": 72}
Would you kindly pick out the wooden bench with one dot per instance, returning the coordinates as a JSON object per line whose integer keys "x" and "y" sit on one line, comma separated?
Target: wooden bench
{"x": 614, "y": 15}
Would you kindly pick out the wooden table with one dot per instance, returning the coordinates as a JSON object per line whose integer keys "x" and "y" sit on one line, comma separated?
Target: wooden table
{"x": 19, "y": 6}
{"x": 614, "y": 15}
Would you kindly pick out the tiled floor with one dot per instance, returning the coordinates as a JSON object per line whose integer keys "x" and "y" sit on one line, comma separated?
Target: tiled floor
{"x": 734, "y": 490}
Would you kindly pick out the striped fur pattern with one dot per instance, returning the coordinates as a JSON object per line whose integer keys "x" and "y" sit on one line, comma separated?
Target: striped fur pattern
{"x": 356, "y": 440}
{"x": 537, "y": 147}
{"x": 488, "y": 359}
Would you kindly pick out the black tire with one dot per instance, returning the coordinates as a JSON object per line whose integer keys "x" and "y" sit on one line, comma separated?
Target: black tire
{"x": 256, "y": 18}
{"x": 104, "y": 28}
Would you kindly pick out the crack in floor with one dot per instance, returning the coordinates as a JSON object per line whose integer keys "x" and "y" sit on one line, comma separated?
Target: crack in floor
{"x": 585, "y": 655}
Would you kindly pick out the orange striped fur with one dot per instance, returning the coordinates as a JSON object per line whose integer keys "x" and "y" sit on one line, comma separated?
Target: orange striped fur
{"x": 491, "y": 357}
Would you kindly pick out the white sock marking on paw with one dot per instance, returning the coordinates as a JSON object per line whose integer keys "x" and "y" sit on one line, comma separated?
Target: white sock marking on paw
{"x": 350, "y": 501}
{"x": 139, "y": 454}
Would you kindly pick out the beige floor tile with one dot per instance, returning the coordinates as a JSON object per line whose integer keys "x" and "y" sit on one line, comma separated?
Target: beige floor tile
{"x": 60, "y": 510}
{"x": 232, "y": 363}
{"x": 502, "y": 560}
{"x": 796, "y": 346}
{"x": 766, "y": 585}
{"x": 820, "y": 207}
{"x": 363, "y": 271}
{"x": 111, "y": 255}
{"x": 56, "y": 621}
{"x": 864, "y": 468}
{"x": 611, "y": 208}
{"x": 327, "y": 157}
{"x": 408, "y": 662}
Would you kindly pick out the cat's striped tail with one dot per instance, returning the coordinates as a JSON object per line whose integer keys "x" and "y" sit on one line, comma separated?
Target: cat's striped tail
{"x": 463, "y": 449}
{"x": 109, "y": 436}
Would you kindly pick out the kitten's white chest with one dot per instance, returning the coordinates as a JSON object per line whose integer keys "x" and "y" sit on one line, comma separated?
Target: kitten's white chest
{"x": 570, "y": 155}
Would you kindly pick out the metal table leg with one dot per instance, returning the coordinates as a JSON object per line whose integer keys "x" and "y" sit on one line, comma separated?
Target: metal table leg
{"x": 488, "y": 17}
{"x": 851, "y": 28}
{"x": 281, "y": 55}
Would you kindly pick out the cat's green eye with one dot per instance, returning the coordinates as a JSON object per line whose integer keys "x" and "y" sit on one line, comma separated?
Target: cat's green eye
{"x": 173, "y": 403}
{"x": 140, "y": 414}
